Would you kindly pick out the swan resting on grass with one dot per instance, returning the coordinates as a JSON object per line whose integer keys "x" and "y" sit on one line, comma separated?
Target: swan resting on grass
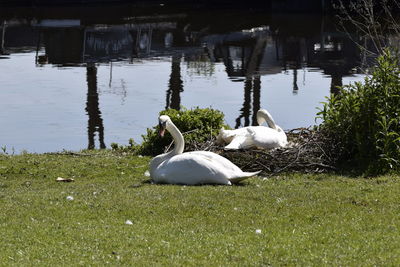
{"x": 192, "y": 168}
{"x": 265, "y": 137}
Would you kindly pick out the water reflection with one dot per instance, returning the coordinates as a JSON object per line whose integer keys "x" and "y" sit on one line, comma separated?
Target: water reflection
{"x": 243, "y": 52}
{"x": 257, "y": 46}
{"x": 295, "y": 86}
{"x": 175, "y": 84}
{"x": 63, "y": 45}
{"x": 95, "y": 122}
{"x": 3, "y": 33}
{"x": 252, "y": 87}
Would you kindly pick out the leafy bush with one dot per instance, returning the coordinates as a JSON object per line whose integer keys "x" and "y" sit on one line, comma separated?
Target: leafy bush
{"x": 197, "y": 125}
{"x": 364, "y": 119}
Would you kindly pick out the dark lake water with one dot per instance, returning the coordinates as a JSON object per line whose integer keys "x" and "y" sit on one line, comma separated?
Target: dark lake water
{"x": 77, "y": 78}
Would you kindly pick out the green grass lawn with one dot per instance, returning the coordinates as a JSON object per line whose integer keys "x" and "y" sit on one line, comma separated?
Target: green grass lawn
{"x": 287, "y": 220}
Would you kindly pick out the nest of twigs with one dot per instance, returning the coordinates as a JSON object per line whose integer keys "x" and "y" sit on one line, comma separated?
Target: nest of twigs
{"x": 308, "y": 151}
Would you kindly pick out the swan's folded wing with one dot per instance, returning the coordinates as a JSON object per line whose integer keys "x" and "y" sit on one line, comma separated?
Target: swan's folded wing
{"x": 191, "y": 168}
{"x": 240, "y": 142}
{"x": 269, "y": 138}
{"x": 235, "y": 173}
{"x": 220, "y": 161}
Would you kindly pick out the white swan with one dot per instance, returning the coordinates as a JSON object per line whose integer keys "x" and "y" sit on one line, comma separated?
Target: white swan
{"x": 197, "y": 167}
{"x": 266, "y": 137}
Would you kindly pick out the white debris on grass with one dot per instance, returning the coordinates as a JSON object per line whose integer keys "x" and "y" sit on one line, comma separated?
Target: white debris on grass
{"x": 258, "y": 231}
{"x": 147, "y": 173}
{"x": 60, "y": 179}
{"x": 128, "y": 222}
{"x": 70, "y": 198}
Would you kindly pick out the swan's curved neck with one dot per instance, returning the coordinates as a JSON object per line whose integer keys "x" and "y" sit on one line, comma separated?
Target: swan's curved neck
{"x": 178, "y": 139}
{"x": 264, "y": 116}
{"x": 178, "y": 148}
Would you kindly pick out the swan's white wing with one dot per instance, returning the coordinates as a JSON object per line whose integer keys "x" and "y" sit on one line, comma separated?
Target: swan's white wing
{"x": 236, "y": 174}
{"x": 221, "y": 162}
{"x": 268, "y": 138}
{"x": 228, "y": 135}
{"x": 244, "y": 138}
{"x": 239, "y": 142}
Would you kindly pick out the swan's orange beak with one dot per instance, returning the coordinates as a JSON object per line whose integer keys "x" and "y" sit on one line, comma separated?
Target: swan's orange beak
{"x": 162, "y": 129}
{"x": 162, "y": 132}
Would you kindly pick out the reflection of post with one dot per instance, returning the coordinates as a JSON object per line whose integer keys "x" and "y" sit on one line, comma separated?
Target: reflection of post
{"x": 251, "y": 85}
{"x": 336, "y": 83}
{"x": 95, "y": 122}
{"x": 245, "y": 111}
{"x": 3, "y": 34}
{"x": 256, "y": 98}
{"x": 110, "y": 82}
{"x": 175, "y": 85}
{"x": 135, "y": 45}
{"x": 150, "y": 39}
{"x": 38, "y": 47}
{"x": 295, "y": 87}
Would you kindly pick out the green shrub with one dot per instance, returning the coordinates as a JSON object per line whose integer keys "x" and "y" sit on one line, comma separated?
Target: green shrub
{"x": 197, "y": 125}
{"x": 364, "y": 119}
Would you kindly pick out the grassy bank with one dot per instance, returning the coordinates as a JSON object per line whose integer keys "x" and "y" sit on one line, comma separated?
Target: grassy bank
{"x": 291, "y": 219}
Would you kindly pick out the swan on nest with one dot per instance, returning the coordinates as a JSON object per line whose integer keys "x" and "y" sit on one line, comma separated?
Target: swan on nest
{"x": 265, "y": 137}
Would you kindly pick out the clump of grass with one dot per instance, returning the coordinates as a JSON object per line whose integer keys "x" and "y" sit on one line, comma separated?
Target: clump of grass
{"x": 364, "y": 119}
